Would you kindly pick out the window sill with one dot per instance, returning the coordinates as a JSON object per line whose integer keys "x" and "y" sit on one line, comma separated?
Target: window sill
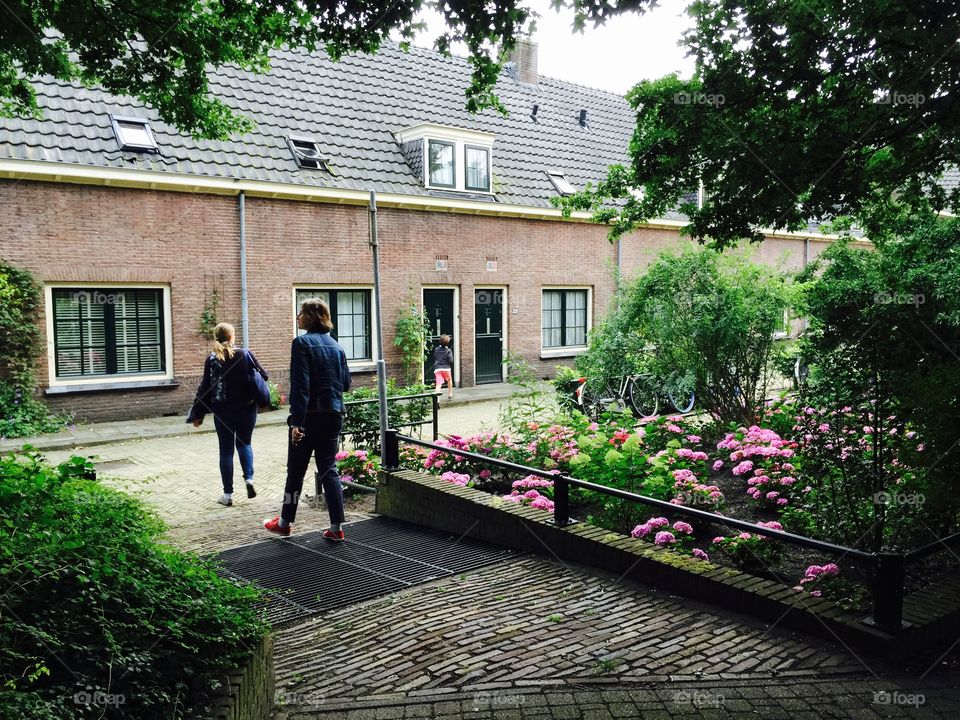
{"x": 111, "y": 385}
{"x": 362, "y": 368}
{"x": 562, "y": 352}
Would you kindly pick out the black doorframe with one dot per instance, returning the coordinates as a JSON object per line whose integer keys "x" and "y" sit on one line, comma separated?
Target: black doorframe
{"x": 449, "y": 325}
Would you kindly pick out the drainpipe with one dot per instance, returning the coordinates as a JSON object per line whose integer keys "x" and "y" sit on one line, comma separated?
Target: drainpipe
{"x": 244, "y": 315}
{"x": 618, "y": 282}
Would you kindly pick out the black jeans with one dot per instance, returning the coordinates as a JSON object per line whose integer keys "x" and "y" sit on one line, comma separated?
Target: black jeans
{"x": 321, "y": 440}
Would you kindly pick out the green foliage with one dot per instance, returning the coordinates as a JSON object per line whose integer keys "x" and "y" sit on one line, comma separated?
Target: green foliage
{"x": 96, "y": 607}
{"x": 362, "y": 421}
{"x": 277, "y": 398}
{"x": 708, "y": 320}
{"x": 209, "y": 315}
{"x": 21, "y": 414}
{"x": 411, "y": 339}
{"x": 796, "y": 110}
{"x": 530, "y": 403}
{"x": 884, "y": 337}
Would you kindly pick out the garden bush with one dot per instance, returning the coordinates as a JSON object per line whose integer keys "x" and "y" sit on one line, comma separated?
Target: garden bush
{"x": 99, "y": 618}
{"x": 362, "y": 422}
{"x": 697, "y": 321}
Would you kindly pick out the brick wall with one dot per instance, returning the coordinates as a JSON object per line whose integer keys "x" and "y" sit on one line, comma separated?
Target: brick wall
{"x": 190, "y": 242}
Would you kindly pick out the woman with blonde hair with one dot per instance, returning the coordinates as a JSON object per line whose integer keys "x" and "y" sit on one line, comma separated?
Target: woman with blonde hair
{"x": 318, "y": 379}
{"x": 228, "y": 392}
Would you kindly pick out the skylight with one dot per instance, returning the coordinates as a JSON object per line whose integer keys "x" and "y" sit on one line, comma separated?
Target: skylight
{"x": 561, "y": 183}
{"x": 307, "y": 154}
{"x": 133, "y": 134}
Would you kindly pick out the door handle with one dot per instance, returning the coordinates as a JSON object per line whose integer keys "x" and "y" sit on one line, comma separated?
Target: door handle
{"x": 438, "y": 326}
{"x": 488, "y": 326}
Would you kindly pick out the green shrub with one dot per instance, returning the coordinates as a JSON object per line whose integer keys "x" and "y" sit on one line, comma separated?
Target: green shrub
{"x": 23, "y": 415}
{"x": 362, "y": 421}
{"x": 96, "y": 609}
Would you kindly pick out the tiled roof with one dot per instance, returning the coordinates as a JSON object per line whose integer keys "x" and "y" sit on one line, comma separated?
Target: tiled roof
{"x": 352, "y": 108}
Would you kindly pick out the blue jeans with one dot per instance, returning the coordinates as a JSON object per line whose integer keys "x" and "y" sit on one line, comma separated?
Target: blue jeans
{"x": 235, "y": 430}
{"x": 321, "y": 439}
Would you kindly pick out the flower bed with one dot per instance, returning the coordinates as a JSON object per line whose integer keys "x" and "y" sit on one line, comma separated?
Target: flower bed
{"x": 796, "y": 470}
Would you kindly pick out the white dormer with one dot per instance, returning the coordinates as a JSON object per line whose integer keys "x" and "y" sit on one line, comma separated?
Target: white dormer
{"x": 448, "y": 158}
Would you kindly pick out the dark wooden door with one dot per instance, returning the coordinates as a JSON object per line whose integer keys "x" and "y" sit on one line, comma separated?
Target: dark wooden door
{"x": 488, "y": 334}
{"x": 440, "y": 313}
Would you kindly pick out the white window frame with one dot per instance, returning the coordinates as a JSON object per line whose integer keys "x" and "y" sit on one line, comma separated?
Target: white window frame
{"x": 783, "y": 334}
{"x": 569, "y": 350}
{"x": 354, "y": 365}
{"x": 559, "y": 180}
{"x": 119, "y": 380}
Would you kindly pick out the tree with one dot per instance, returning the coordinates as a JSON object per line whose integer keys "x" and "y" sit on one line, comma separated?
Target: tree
{"x": 161, "y": 51}
{"x": 798, "y": 110}
{"x": 699, "y": 321}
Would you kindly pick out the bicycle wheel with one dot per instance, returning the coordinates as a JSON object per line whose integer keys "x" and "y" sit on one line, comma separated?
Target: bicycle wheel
{"x": 642, "y": 397}
{"x": 801, "y": 371}
{"x": 682, "y": 402}
{"x": 592, "y": 401}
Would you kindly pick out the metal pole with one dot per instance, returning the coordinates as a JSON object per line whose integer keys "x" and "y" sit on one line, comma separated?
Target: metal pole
{"x": 244, "y": 313}
{"x": 381, "y": 366}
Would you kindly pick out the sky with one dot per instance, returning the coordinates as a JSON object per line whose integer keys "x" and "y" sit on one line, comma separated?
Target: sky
{"x": 610, "y": 57}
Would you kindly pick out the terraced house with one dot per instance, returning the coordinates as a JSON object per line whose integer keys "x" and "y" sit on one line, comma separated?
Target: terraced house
{"x": 140, "y": 233}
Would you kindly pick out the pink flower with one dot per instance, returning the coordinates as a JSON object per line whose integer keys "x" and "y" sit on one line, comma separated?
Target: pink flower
{"x": 807, "y": 489}
{"x": 816, "y": 593}
{"x": 361, "y": 454}
{"x": 781, "y": 501}
{"x": 641, "y": 530}
{"x": 681, "y": 526}
{"x": 718, "y": 464}
{"x": 719, "y": 539}
{"x": 773, "y": 495}
{"x": 693, "y": 438}
{"x": 484, "y": 474}
{"x": 342, "y": 455}
{"x": 346, "y": 478}
{"x": 698, "y": 553}
{"x": 674, "y": 428}
{"x": 658, "y": 522}
{"x": 744, "y": 536}
{"x": 664, "y": 538}
{"x": 744, "y": 467}
{"x": 772, "y": 524}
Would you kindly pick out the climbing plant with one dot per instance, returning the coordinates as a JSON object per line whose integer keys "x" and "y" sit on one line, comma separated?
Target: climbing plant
{"x": 411, "y": 339}
{"x": 20, "y": 348}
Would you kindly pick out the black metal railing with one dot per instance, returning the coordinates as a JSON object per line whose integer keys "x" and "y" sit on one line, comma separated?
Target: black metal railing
{"x": 887, "y": 568}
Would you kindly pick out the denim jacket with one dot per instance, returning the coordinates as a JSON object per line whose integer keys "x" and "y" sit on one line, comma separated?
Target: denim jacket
{"x": 226, "y": 387}
{"x": 318, "y": 376}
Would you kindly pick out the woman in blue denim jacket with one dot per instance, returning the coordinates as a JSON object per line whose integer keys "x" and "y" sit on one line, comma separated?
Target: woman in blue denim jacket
{"x": 318, "y": 379}
{"x": 227, "y": 392}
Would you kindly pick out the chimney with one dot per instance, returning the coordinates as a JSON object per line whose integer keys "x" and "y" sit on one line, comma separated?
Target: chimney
{"x": 524, "y": 60}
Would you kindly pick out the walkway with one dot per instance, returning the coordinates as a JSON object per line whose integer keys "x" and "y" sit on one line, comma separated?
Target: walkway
{"x": 526, "y": 638}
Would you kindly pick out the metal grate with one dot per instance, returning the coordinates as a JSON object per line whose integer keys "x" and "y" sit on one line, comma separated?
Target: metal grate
{"x": 305, "y": 574}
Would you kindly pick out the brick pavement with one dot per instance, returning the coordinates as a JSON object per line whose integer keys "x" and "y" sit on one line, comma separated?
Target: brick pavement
{"x": 526, "y": 638}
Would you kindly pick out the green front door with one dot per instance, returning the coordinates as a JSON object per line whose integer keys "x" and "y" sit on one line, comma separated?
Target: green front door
{"x": 488, "y": 334}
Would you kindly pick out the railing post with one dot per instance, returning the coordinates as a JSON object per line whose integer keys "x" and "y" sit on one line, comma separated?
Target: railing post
{"x": 888, "y": 592}
{"x": 391, "y": 453}
{"x": 561, "y": 501}
{"x": 436, "y": 419}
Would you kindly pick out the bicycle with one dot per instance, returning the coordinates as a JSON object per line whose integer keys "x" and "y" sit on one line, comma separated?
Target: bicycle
{"x": 631, "y": 392}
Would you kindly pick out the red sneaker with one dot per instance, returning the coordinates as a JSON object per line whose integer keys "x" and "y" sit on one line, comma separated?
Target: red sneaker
{"x": 274, "y": 527}
{"x": 337, "y": 536}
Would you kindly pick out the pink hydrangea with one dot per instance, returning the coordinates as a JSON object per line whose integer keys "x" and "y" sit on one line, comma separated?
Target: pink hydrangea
{"x": 674, "y": 428}
{"x": 342, "y": 455}
{"x": 698, "y": 553}
{"x": 683, "y": 527}
{"x": 718, "y": 464}
{"x": 719, "y": 539}
{"x": 693, "y": 438}
{"x": 641, "y": 530}
{"x": 664, "y": 538}
{"x": 456, "y": 478}
{"x": 658, "y": 522}
{"x": 743, "y": 467}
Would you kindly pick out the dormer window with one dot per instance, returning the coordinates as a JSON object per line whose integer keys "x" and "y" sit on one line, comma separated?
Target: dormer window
{"x": 443, "y": 166}
{"x": 560, "y": 182}
{"x": 446, "y": 158}
{"x": 133, "y": 134}
{"x": 306, "y": 152}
